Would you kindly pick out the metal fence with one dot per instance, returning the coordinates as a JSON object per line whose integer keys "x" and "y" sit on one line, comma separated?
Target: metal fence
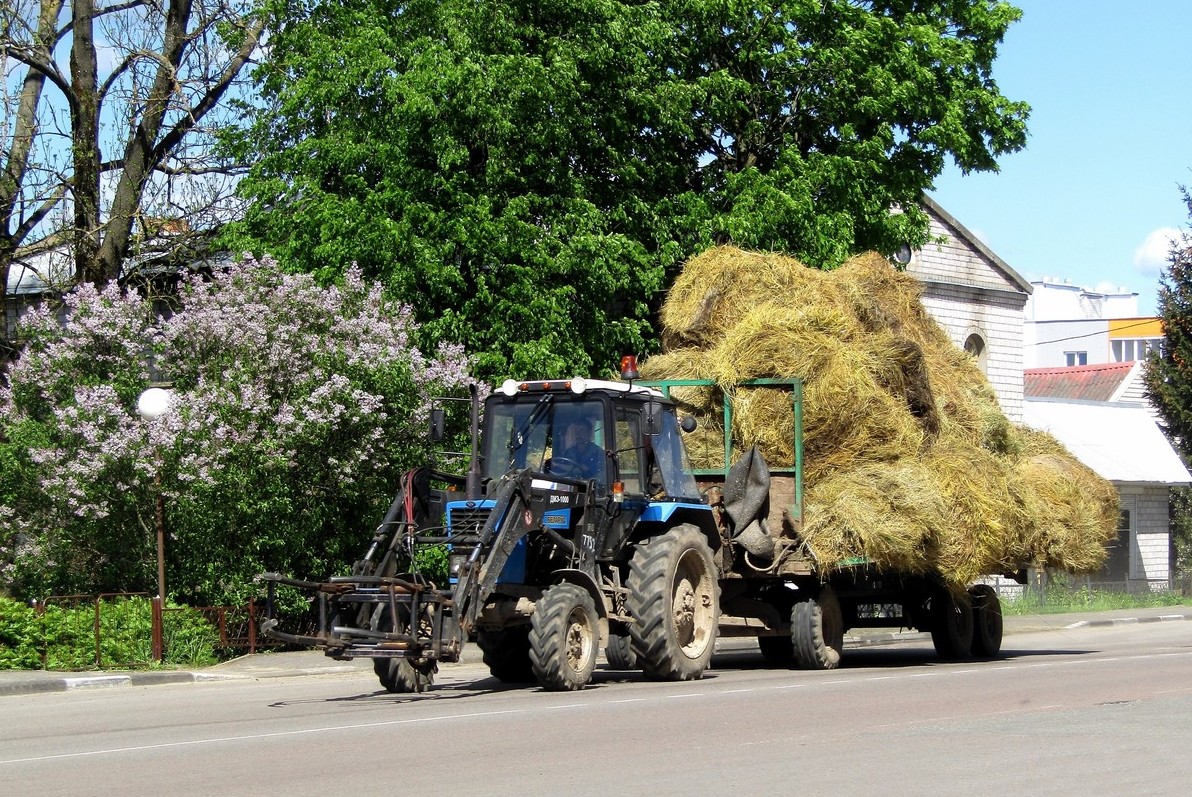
{"x": 130, "y": 630}
{"x": 1058, "y": 585}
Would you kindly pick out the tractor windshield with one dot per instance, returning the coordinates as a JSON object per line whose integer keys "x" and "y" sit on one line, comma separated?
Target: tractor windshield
{"x": 553, "y": 435}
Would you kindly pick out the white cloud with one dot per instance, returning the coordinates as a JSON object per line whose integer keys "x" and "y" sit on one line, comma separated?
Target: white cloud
{"x": 1151, "y": 256}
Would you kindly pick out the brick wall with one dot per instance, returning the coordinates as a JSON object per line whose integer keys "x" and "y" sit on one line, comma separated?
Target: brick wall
{"x": 1150, "y": 546}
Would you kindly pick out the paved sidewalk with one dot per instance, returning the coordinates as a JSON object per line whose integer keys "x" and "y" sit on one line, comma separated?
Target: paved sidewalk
{"x": 310, "y": 662}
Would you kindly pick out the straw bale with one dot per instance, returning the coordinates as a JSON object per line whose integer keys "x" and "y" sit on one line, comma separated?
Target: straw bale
{"x": 985, "y": 532}
{"x": 687, "y": 363}
{"x": 909, "y": 460}
{"x": 1071, "y": 512}
{"x": 848, "y": 420}
{"x": 716, "y": 288}
{"x": 770, "y": 342}
{"x": 883, "y": 298}
{"x": 890, "y": 514}
{"x": 764, "y": 417}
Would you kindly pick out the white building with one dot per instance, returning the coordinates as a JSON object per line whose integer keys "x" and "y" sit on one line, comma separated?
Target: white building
{"x": 1070, "y": 325}
{"x": 978, "y": 298}
{"x": 1024, "y": 335}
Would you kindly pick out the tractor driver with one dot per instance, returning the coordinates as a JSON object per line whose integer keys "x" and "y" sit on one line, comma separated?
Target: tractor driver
{"x": 578, "y": 452}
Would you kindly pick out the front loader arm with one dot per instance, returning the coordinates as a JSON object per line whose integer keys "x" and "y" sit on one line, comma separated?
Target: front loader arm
{"x": 509, "y": 521}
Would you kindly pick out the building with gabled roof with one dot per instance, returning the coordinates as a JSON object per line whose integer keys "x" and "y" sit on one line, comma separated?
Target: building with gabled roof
{"x": 978, "y": 298}
{"x": 1102, "y": 382}
{"x": 1093, "y": 410}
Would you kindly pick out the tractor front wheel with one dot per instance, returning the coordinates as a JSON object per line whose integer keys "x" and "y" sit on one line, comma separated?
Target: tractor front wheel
{"x": 564, "y": 638}
{"x": 507, "y": 654}
{"x": 400, "y": 675}
{"x": 619, "y": 652}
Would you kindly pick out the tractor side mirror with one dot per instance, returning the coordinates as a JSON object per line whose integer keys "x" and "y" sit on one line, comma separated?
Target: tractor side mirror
{"x": 652, "y": 419}
{"x": 687, "y": 423}
{"x": 438, "y": 425}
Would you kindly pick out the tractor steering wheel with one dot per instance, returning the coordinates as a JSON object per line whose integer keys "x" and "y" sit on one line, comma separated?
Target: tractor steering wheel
{"x": 567, "y": 468}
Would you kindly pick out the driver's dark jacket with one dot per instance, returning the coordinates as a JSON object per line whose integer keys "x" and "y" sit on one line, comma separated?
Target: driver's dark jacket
{"x": 589, "y": 457}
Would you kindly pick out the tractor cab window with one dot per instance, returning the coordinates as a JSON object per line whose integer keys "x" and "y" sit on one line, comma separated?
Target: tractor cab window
{"x": 670, "y": 458}
{"x": 553, "y": 435}
{"x": 577, "y": 442}
{"x": 630, "y": 450}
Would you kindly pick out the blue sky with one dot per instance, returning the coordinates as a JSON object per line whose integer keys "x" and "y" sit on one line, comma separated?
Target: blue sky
{"x": 1095, "y": 194}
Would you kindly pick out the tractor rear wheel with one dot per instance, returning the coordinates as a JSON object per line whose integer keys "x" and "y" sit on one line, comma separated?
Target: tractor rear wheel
{"x": 564, "y": 638}
{"x": 817, "y": 631}
{"x": 507, "y": 654}
{"x": 987, "y": 621}
{"x": 674, "y": 598}
{"x": 952, "y": 624}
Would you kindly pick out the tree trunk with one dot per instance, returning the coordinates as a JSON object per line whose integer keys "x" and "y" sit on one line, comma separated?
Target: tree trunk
{"x": 84, "y": 131}
{"x": 24, "y": 129}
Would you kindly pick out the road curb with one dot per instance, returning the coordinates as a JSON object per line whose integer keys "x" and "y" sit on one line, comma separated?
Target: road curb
{"x": 1162, "y": 618}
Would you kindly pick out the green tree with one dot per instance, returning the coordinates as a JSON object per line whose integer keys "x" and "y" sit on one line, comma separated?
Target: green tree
{"x": 1168, "y": 378}
{"x": 529, "y": 174}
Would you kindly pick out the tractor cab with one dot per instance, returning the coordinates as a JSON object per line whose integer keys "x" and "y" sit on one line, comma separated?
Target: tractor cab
{"x": 620, "y": 440}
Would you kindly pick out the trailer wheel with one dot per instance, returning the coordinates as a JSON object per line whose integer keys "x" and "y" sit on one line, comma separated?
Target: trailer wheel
{"x": 619, "y": 652}
{"x": 987, "y": 621}
{"x": 564, "y": 638}
{"x": 399, "y": 675}
{"x": 507, "y": 654}
{"x": 951, "y": 624}
{"x": 674, "y": 597}
{"x": 817, "y": 631}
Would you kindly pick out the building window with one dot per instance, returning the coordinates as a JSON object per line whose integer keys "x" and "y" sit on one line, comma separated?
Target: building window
{"x": 974, "y": 344}
{"x": 1132, "y": 349}
{"x": 1076, "y": 358}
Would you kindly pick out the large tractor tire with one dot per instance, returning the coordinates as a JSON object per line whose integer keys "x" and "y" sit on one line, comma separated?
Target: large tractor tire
{"x": 674, "y": 598}
{"x": 987, "y": 621}
{"x": 564, "y": 638}
{"x": 400, "y": 675}
{"x": 507, "y": 654}
{"x": 951, "y": 624}
{"x": 619, "y": 652}
{"x": 817, "y": 631}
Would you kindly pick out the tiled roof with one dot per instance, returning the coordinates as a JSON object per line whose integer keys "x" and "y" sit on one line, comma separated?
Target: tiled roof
{"x": 1078, "y": 382}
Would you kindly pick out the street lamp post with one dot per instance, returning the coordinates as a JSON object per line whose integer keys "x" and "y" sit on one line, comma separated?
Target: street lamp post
{"x": 153, "y": 404}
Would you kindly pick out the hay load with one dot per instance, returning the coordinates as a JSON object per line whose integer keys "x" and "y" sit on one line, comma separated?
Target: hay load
{"x": 909, "y": 461}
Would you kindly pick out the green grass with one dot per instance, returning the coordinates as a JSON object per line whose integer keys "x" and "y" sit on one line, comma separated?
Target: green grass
{"x": 1063, "y": 600}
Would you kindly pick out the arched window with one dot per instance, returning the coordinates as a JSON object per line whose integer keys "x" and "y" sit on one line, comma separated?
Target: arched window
{"x": 974, "y": 344}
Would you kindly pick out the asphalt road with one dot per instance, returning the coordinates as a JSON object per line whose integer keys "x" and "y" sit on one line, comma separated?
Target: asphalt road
{"x": 1091, "y": 710}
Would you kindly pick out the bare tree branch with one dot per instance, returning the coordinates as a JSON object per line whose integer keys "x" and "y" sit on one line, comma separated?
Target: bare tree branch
{"x": 126, "y": 139}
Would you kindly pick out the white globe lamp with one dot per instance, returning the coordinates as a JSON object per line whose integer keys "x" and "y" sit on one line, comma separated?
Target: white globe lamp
{"x": 153, "y": 403}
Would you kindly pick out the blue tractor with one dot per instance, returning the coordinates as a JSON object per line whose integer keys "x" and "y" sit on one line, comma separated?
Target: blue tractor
{"x": 579, "y": 525}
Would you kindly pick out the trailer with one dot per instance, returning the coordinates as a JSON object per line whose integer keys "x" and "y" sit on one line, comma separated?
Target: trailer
{"x": 773, "y": 589}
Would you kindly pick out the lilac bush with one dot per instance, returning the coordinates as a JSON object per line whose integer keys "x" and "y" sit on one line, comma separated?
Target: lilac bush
{"x": 294, "y": 409}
